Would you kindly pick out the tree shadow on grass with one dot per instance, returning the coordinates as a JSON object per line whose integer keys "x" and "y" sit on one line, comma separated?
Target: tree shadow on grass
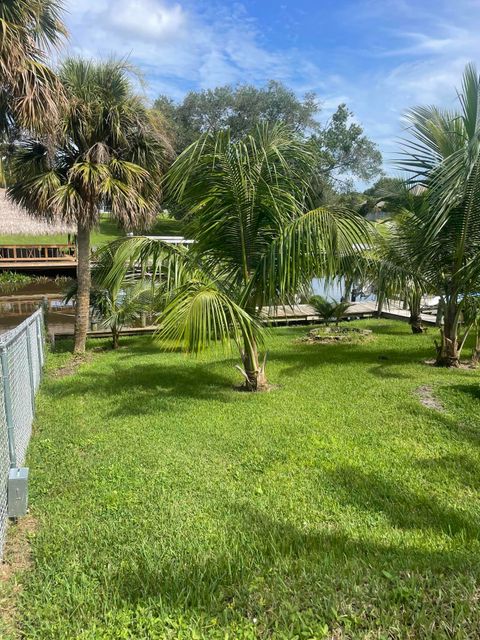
{"x": 151, "y": 388}
{"x": 459, "y": 469}
{"x": 273, "y": 568}
{"x": 472, "y": 390}
{"x": 403, "y": 508}
{"x": 469, "y": 431}
{"x": 382, "y": 358}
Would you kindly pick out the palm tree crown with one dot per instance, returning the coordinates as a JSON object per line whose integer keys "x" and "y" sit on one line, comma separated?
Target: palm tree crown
{"x": 255, "y": 242}
{"x": 108, "y": 151}
{"x": 30, "y": 91}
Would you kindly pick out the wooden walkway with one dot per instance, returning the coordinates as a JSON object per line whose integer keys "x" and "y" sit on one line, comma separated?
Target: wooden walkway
{"x": 282, "y": 316}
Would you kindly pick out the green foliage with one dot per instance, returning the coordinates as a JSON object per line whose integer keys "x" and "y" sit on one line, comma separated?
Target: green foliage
{"x": 10, "y": 282}
{"x": 240, "y": 109}
{"x": 329, "y": 310}
{"x": 110, "y": 153}
{"x": 341, "y": 149}
{"x": 443, "y": 158}
{"x": 30, "y": 94}
{"x": 334, "y": 506}
{"x": 123, "y": 307}
{"x": 255, "y": 244}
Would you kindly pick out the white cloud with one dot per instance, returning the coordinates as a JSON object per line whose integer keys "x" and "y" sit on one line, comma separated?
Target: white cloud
{"x": 408, "y": 51}
{"x": 146, "y": 19}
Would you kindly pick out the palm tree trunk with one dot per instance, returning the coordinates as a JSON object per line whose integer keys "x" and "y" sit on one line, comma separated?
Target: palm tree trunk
{"x": 255, "y": 378}
{"x": 82, "y": 310}
{"x": 476, "y": 348}
{"x": 440, "y": 312}
{"x": 447, "y": 352}
{"x": 415, "y": 312}
{"x": 115, "y": 338}
{"x": 380, "y": 302}
{"x": 347, "y": 294}
{"x": 416, "y": 322}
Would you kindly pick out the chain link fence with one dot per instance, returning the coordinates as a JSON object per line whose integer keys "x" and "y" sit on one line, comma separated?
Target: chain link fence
{"x": 21, "y": 361}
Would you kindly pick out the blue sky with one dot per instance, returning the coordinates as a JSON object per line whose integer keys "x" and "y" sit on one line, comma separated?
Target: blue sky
{"x": 378, "y": 56}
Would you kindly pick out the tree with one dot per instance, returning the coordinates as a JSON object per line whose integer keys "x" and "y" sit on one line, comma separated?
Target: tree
{"x": 109, "y": 152}
{"x": 471, "y": 318}
{"x": 443, "y": 156}
{"x": 255, "y": 245}
{"x": 122, "y": 306}
{"x": 329, "y": 309}
{"x": 30, "y": 93}
{"x": 395, "y": 268}
{"x": 239, "y": 109}
{"x": 340, "y": 149}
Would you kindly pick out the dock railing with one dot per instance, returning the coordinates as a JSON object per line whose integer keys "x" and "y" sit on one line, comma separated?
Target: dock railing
{"x": 37, "y": 253}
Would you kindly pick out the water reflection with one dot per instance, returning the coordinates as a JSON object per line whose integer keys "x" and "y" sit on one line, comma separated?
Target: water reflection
{"x": 15, "y": 307}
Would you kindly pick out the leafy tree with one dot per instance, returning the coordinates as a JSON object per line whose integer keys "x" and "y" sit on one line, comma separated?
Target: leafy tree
{"x": 340, "y": 149}
{"x": 443, "y": 156}
{"x": 255, "y": 243}
{"x": 239, "y": 108}
{"x": 109, "y": 152}
{"x": 29, "y": 91}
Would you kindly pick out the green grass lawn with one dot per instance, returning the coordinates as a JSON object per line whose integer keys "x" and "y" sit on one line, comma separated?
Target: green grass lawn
{"x": 335, "y": 506}
{"x": 107, "y": 231}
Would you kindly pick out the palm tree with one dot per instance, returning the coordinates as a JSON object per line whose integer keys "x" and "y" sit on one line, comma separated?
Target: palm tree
{"x": 444, "y": 157}
{"x": 256, "y": 244}
{"x": 29, "y": 91}
{"x": 394, "y": 266}
{"x": 110, "y": 152}
{"x": 329, "y": 309}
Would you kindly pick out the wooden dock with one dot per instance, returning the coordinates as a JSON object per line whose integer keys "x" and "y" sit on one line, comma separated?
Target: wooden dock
{"x": 301, "y": 314}
{"x": 31, "y": 257}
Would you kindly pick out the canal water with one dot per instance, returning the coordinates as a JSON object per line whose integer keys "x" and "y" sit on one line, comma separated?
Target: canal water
{"x": 18, "y": 305}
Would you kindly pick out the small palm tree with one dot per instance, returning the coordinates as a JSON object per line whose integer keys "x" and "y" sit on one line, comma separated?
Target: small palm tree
{"x": 329, "y": 310}
{"x": 394, "y": 266}
{"x": 123, "y": 307}
{"x": 256, "y": 244}
{"x": 444, "y": 158}
{"x": 30, "y": 92}
{"x": 109, "y": 152}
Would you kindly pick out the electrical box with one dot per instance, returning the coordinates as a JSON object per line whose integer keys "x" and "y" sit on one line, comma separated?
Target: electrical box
{"x": 17, "y": 492}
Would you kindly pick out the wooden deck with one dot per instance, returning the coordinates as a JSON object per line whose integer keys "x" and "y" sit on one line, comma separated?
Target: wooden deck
{"x": 299, "y": 314}
{"x": 29, "y": 257}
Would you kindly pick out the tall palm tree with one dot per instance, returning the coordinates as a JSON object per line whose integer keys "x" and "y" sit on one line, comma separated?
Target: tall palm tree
{"x": 109, "y": 152}
{"x": 256, "y": 244}
{"x": 444, "y": 156}
{"x": 29, "y": 91}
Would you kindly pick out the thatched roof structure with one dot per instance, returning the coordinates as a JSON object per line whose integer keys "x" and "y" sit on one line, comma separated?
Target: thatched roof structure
{"x": 16, "y": 221}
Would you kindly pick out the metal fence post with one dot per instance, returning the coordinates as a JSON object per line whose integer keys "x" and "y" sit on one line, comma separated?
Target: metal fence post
{"x": 30, "y": 369}
{"x": 7, "y": 398}
{"x": 39, "y": 331}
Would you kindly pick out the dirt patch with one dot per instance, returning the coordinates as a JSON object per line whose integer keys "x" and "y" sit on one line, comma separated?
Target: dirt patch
{"x": 330, "y": 335}
{"x": 425, "y": 393}
{"x": 72, "y": 365}
{"x": 17, "y": 559}
{"x": 464, "y": 364}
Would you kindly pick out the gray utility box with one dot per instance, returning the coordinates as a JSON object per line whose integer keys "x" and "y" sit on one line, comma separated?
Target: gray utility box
{"x": 17, "y": 492}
